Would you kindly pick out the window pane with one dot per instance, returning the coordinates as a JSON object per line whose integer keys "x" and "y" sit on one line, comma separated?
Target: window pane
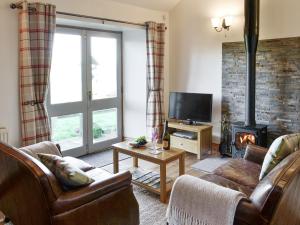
{"x": 67, "y": 131}
{"x": 104, "y": 125}
{"x": 65, "y": 76}
{"x": 104, "y": 67}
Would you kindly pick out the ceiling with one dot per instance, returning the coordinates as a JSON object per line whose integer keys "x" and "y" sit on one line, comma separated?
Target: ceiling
{"x": 162, "y": 5}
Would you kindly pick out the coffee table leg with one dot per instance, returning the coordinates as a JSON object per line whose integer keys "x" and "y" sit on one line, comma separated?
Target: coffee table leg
{"x": 163, "y": 180}
{"x": 135, "y": 161}
{"x": 116, "y": 160}
{"x": 182, "y": 164}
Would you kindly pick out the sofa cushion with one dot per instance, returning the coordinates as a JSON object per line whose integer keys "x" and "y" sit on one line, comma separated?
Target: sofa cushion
{"x": 79, "y": 163}
{"x": 227, "y": 183}
{"x": 67, "y": 174}
{"x": 240, "y": 171}
{"x": 280, "y": 148}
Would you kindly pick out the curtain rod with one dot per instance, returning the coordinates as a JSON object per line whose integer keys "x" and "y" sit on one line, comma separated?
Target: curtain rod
{"x": 18, "y": 5}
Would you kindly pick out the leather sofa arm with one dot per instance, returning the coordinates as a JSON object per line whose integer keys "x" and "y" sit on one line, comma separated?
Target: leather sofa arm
{"x": 75, "y": 198}
{"x": 189, "y": 197}
{"x": 247, "y": 214}
{"x": 255, "y": 153}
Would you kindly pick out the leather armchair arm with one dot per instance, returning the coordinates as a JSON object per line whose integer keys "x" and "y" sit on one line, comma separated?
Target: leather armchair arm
{"x": 75, "y": 198}
{"x": 255, "y": 154}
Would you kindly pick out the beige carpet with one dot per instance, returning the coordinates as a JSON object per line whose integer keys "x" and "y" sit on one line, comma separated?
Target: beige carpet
{"x": 152, "y": 211}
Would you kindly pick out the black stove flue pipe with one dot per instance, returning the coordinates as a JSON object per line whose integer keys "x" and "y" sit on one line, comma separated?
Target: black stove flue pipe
{"x": 251, "y": 32}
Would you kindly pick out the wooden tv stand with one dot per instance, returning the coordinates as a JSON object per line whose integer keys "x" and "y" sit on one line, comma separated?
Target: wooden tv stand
{"x": 200, "y": 146}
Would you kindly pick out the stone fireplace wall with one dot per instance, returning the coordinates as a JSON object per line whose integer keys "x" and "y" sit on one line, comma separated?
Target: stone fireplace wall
{"x": 277, "y": 84}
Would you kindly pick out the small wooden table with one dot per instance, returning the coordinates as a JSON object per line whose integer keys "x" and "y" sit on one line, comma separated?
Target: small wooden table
{"x": 161, "y": 159}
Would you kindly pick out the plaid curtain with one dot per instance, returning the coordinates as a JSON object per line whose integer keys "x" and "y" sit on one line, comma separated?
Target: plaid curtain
{"x": 155, "y": 76}
{"x": 36, "y": 31}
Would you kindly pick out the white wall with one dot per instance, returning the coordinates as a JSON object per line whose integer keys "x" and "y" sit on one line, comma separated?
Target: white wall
{"x": 9, "y": 110}
{"x": 196, "y": 49}
{"x": 134, "y": 83}
{"x": 9, "y": 113}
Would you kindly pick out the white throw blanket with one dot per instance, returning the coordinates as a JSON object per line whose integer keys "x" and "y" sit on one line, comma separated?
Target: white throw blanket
{"x": 195, "y": 201}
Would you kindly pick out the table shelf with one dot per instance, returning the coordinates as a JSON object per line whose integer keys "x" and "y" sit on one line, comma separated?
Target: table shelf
{"x": 149, "y": 180}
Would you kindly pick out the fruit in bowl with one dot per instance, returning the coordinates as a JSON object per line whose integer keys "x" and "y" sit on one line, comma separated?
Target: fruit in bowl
{"x": 139, "y": 142}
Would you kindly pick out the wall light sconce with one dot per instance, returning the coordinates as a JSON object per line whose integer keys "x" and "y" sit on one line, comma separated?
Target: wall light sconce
{"x": 221, "y": 23}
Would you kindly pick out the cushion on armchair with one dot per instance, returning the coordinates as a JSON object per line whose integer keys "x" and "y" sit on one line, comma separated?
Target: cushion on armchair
{"x": 280, "y": 148}
{"x": 68, "y": 175}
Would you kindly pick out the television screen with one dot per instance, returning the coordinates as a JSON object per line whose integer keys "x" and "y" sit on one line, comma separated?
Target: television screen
{"x": 190, "y": 106}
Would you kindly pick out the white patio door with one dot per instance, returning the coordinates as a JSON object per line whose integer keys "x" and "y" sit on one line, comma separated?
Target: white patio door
{"x": 85, "y": 99}
{"x": 104, "y": 83}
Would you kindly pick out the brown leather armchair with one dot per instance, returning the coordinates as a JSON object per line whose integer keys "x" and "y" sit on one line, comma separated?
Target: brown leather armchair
{"x": 273, "y": 200}
{"x": 31, "y": 195}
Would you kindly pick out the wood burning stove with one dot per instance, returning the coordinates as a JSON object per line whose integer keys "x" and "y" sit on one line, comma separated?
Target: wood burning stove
{"x": 248, "y": 132}
{"x": 243, "y": 135}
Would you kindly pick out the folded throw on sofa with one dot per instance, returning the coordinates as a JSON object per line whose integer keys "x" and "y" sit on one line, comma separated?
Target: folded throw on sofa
{"x": 195, "y": 201}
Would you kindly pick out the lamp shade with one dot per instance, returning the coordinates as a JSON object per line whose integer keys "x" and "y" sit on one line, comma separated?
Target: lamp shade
{"x": 228, "y": 20}
{"x": 216, "y": 22}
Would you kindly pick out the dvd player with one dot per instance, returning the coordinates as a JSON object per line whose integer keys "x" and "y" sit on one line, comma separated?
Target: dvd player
{"x": 186, "y": 134}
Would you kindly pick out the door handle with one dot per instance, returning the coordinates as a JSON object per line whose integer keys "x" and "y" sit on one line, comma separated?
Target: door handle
{"x": 90, "y": 95}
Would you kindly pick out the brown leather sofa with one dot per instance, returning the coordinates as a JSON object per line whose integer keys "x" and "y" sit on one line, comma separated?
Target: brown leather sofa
{"x": 273, "y": 200}
{"x": 31, "y": 195}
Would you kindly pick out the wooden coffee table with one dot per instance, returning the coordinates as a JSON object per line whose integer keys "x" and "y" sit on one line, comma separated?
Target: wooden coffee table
{"x": 161, "y": 159}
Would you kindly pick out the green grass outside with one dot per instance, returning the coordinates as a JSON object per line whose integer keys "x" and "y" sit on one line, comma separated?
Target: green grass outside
{"x": 66, "y": 127}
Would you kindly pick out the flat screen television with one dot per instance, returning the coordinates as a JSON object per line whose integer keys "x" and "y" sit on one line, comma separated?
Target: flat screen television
{"x": 195, "y": 107}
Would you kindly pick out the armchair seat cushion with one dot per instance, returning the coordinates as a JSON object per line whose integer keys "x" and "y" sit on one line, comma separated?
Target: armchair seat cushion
{"x": 240, "y": 171}
{"x": 80, "y": 164}
{"x": 98, "y": 174}
{"x": 227, "y": 183}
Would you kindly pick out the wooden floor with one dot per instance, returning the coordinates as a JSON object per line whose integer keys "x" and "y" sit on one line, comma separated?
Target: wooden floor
{"x": 172, "y": 168}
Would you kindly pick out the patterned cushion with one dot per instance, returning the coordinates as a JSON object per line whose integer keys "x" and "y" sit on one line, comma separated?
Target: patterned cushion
{"x": 280, "y": 148}
{"x": 67, "y": 174}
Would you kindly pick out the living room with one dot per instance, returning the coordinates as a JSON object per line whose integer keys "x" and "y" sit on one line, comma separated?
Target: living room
{"x": 158, "y": 107}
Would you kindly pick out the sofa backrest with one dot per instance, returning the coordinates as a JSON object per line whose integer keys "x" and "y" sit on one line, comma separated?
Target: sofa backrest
{"x": 273, "y": 187}
{"x": 45, "y": 147}
{"x": 27, "y": 187}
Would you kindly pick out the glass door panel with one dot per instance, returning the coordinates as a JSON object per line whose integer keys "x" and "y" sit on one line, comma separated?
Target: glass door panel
{"x": 104, "y": 67}
{"x": 66, "y": 68}
{"x": 67, "y": 131}
{"x": 105, "y": 125}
